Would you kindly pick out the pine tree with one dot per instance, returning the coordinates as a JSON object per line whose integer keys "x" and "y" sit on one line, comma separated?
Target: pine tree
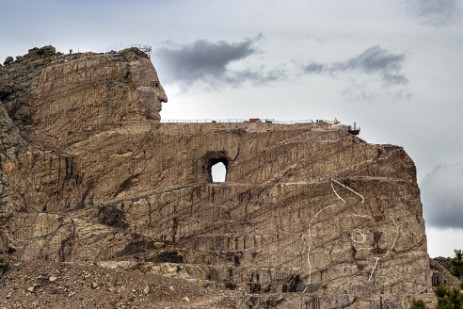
{"x": 456, "y": 263}
{"x": 449, "y": 298}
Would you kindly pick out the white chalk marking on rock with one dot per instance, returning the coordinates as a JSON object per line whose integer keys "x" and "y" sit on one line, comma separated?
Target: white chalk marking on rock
{"x": 310, "y": 236}
{"x": 359, "y": 232}
{"x": 374, "y": 268}
{"x": 396, "y": 237}
{"x": 316, "y": 215}
{"x": 346, "y": 187}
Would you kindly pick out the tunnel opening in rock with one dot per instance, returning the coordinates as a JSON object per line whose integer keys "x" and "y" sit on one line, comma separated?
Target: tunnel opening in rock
{"x": 218, "y": 170}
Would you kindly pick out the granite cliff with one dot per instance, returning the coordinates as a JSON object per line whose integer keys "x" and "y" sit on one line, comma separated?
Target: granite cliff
{"x": 309, "y": 216}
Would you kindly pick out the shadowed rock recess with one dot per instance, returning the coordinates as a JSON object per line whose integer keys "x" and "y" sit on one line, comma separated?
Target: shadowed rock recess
{"x": 309, "y": 216}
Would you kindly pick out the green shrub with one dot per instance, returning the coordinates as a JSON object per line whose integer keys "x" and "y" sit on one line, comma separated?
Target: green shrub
{"x": 418, "y": 304}
{"x": 449, "y": 298}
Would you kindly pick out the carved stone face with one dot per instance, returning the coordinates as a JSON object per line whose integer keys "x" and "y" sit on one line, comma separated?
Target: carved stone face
{"x": 150, "y": 92}
{"x": 152, "y": 96}
{"x": 73, "y": 97}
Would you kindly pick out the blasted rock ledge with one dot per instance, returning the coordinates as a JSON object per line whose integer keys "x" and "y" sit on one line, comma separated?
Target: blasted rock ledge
{"x": 309, "y": 216}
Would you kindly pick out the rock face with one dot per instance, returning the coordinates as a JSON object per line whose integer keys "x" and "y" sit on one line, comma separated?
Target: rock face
{"x": 441, "y": 274}
{"x": 309, "y": 216}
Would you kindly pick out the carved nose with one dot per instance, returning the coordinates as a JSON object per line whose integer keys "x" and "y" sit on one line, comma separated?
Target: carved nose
{"x": 162, "y": 98}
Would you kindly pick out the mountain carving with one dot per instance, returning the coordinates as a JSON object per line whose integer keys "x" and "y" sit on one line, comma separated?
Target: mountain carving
{"x": 310, "y": 216}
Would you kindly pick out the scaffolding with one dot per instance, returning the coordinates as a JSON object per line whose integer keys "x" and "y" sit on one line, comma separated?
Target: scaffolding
{"x": 144, "y": 48}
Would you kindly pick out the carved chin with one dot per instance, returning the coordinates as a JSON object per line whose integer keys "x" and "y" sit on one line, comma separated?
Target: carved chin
{"x": 153, "y": 112}
{"x": 153, "y": 116}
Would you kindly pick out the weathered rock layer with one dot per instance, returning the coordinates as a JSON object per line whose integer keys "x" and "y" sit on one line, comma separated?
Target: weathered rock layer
{"x": 89, "y": 174}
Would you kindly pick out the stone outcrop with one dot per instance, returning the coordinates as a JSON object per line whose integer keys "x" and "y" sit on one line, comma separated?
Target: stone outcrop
{"x": 441, "y": 275}
{"x": 309, "y": 215}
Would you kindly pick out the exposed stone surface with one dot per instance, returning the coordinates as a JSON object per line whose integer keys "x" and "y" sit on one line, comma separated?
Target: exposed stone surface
{"x": 441, "y": 275}
{"x": 310, "y": 216}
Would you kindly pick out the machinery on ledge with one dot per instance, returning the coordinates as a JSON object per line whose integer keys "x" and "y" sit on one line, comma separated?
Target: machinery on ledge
{"x": 354, "y": 131}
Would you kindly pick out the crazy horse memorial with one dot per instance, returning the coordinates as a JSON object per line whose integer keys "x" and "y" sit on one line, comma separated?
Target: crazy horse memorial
{"x": 309, "y": 216}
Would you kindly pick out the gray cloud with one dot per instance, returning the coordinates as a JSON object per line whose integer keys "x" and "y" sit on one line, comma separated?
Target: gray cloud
{"x": 434, "y": 12}
{"x": 374, "y": 60}
{"x": 442, "y": 196}
{"x": 314, "y": 68}
{"x": 209, "y": 63}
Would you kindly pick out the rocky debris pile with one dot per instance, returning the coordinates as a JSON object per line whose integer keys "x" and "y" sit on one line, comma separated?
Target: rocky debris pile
{"x": 41, "y": 284}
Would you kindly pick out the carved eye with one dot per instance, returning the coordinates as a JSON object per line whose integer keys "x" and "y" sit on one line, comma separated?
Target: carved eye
{"x": 156, "y": 84}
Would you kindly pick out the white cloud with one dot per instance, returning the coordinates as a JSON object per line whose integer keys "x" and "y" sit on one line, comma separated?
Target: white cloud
{"x": 442, "y": 242}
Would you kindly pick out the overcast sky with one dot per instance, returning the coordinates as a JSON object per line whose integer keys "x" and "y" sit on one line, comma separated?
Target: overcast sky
{"x": 392, "y": 66}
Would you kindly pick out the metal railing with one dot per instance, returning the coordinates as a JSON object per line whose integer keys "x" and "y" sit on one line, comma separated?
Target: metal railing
{"x": 251, "y": 120}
